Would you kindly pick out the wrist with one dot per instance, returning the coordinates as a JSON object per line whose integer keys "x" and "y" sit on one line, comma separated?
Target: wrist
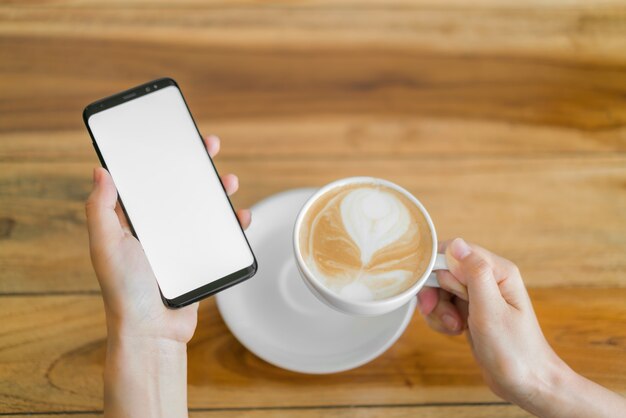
{"x": 163, "y": 324}
{"x": 124, "y": 336}
{"x": 568, "y": 394}
{"x": 145, "y": 376}
{"x": 550, "y": 390}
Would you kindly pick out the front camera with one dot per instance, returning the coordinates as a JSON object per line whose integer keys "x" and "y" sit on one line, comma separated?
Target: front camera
{"x": 147, "y": 89}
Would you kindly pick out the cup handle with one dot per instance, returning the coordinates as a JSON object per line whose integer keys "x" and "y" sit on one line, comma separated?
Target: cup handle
{"x": 440, "y": 264}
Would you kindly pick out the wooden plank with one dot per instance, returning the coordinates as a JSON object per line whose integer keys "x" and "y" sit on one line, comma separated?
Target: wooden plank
{"x": 561, "y": 220}
{"x": 459, "y": 411}
{"x": 564, "y": 29}
{"x": 40, "y": 92}
{"x": 349, "y": 136}
{"x": 47, "y": 339}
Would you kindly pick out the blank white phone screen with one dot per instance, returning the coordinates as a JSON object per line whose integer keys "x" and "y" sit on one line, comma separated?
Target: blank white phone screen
{"x": 171, "y": 191}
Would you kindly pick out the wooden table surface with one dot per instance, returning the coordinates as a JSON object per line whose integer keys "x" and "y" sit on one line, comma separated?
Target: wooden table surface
{"x": 507, "y": 120}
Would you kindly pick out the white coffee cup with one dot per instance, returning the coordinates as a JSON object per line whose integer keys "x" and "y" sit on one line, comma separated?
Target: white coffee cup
{"x": 374, "y": 307}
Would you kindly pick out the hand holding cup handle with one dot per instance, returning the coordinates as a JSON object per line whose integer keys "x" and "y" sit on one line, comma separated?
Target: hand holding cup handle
{"x": 440, "y": 264}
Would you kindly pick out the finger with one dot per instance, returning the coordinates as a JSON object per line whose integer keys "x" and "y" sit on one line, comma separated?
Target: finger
{"x": 475, "y": 272}
{"x": 212, "y": 144}
{"x": 502, "y": 268}
{"x": 446, "y": 279}
{"x": 470, "y": 341}
{"x": 245, "y": 217}
{"x": 102, "y": 221}
{"x": 449, "y": 282}
{"x": 462, "y": 306}
{"x": 231, "y": 183}
{"x": 121, "y": 216}
{"x": 427, "y": 300}
{"x": 507, "y": 277}
{"x": 446, "y": 318}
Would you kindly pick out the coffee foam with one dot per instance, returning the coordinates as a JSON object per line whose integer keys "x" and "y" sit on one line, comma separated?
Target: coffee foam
{"x": 365, "y": 241}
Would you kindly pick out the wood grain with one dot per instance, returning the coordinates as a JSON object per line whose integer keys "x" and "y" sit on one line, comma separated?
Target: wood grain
{"x": 506, "y": 119}
{"x": 296, "y": 83}
{"x": 572, "y": 29}
{"x": 321, "y": 59}
{"x": 423, "y": 411}
{"x": 53, "y": 351}
{"x": 349, "y": 136}
{"x": 561, "y": 220}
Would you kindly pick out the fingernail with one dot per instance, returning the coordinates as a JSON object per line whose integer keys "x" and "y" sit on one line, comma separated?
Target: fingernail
{"x": 460, "y": 249}
{"x": 449, "y": 321}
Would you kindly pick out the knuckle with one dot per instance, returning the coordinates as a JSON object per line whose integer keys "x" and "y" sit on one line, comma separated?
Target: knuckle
{"x": 89, "y": 205}
{"x": 504, "y": 265}
{"x": 479, "y": 268}
{"x": 514, "y": 270}
{"x": 93, "y": 207}
{"x": 509, "y": 267}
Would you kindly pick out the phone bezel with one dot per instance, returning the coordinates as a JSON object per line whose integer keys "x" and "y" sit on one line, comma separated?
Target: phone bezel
{"x": 134, "y": 93}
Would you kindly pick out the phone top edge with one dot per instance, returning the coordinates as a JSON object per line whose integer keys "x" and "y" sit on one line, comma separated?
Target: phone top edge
{"x": 126, "y": 95}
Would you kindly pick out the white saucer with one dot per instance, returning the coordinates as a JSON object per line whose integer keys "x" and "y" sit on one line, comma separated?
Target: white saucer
{"x": 276, "y": 317}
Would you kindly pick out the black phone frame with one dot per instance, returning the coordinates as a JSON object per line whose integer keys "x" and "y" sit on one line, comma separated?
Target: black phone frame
{"x": 131, "y": 94}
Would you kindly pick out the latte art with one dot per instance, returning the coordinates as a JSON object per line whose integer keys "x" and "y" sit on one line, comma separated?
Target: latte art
{"x": 365, "y": 241}
{"x": 373, "y": 219}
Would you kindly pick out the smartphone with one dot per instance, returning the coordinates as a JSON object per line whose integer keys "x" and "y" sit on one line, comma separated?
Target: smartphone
{"x": 170, "y": 191}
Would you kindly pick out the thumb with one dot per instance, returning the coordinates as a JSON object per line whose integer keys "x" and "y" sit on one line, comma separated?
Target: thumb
{"x": 474, "y": 270}
{"x": 102, "y": 221}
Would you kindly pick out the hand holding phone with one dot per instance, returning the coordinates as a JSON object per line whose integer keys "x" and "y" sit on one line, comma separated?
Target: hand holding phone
{"x": 129, "y": 288}
{"x": 170, "y": 191}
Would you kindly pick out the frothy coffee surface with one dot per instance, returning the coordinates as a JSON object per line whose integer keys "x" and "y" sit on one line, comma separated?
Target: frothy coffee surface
{"x": 365, "y": 241}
